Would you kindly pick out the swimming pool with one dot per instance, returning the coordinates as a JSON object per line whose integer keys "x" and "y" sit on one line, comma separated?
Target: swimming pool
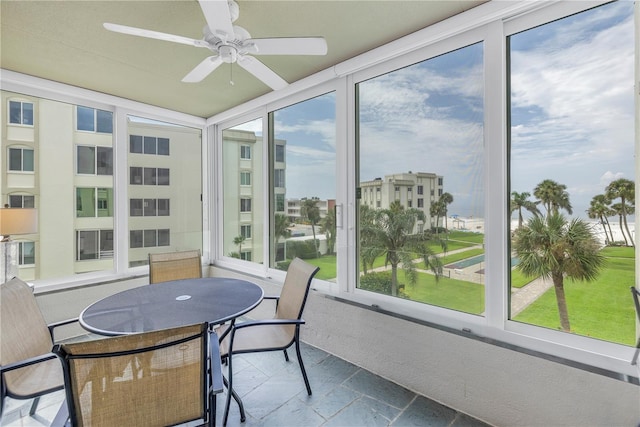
{"x": 468, "y": 262}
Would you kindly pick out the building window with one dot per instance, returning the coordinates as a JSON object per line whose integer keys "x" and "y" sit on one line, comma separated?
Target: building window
{"x": 148, "y": 176}
{"x": 26, "y": 253}
{"x": 245, "y": 152}
{"x": 245, "y": 255}
{"x": 21, "y": 113}
{"x": 279, "y": 202}
{"x": 162, "y": 176}
{"x": 420, "y": 189}
{"x": 94, "y": 244}
{"x": 245, "y": 178}
{"x": 21, "y": 159}
{"x": 567, "y": 179}
{"x": 148, "y": 145}
{"x": 409, "y": 203}
{"x": 440, "y": 181}
{"x": 135, "y": 208}
{"x": 149, "y": 208}
{"x": 135, "y": 144}
{"x": 93, "y": 160}
{"x": 421, "y": 203}
{"x": 278, "y": 178}
{"x": 163, "y": 207}
{"x": 92, "y": 120}
{"x": 149, "y": 238}
{"x": 280, "y": 153}
{"x": 94, "y": 202}
{"x": 245, "y": 205}
{"x": 245, "y": 231}
{"x": 135, "y": 175}
{"x": 21, "y": 201}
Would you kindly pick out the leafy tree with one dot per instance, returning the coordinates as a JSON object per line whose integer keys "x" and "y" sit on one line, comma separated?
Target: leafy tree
{"x": 521, "y": 201}
{"x": 553, "y": 247}
{"x": 600, "y": 209}
{"x": 280, "y": 230}
{"x": 311, "y": 212}
{"x": 328, "y": 227}
{"x": 553, "y": 196}
{"x": 391, "y": 234}
{"x": 623, "y": 189}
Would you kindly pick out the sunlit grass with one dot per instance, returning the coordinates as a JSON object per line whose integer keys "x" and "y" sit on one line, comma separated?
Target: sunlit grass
{"x": 602, "y": 309}
{"x": 449, "y": 293}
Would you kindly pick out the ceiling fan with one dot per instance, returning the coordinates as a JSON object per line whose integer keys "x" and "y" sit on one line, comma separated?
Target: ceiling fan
{"x": 233, "y": 44}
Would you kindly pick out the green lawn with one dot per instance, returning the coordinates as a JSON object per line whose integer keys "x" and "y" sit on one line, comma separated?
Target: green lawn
{"x": 448, "y": 293}
{"x": 465, "y": 236}
{"x": 602, "y": 309}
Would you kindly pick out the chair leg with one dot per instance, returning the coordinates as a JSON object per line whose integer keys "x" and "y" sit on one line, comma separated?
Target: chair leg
{"x": 34, "y": 406}
{"x": 286, "y": 356}
{"x": 231, "y": 393}
{"x": 304, "y": 372}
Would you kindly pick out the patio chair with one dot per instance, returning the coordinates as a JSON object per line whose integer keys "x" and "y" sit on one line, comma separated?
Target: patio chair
{"x": 174, "y": 266}
{"x": 278, "y": 333}
{"x": 28, "y": 368}
{"x": 636, "y": 299}
{"x": 158, "y": 378}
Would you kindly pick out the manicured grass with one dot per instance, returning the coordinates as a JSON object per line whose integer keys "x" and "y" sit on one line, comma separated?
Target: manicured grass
{"x": 476, "y": 238}
{"x": 602, "y": 309}
{"x": 327, "y": 264}
{"x": 619, "y": 252}
{"x": 518, "y": 279}
{"x": 448, "y": 293}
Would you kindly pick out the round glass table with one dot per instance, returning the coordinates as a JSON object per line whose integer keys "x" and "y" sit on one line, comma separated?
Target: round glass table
{"x": 171, "y": 304}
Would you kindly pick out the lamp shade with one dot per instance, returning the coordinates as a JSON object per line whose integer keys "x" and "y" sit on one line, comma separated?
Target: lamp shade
{"x": 18, "y": 221}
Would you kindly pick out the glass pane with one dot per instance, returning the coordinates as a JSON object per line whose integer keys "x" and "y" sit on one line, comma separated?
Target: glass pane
{"x": 163, "y": 146}
{"x": 421, "y": 130}
{"x": 304, "y": 175}
{"x": 15, "y": 201}
{"x": 85, "y": 118}
{"x": 15, "y": 159}
{"x": 104, "y": 121}
{"x": 27, "y": 253}
{"x": 27, "y": 113}
{"x": 27, "y": 160}
{"x": 86, "y": 160}
{"x": 238, "y": 145}
{"x": 15, "y": 112}
{"x": 85, "y": 202}
{"x": 573, "y": 174}
{"x": 28, "y": 202}
{"x": 87, "y": 245}
{"x": 105, "y": 202}
{"x": 152, "y": 222}
{"x": 135, "y": 144}
{"x": 104, "y": 160}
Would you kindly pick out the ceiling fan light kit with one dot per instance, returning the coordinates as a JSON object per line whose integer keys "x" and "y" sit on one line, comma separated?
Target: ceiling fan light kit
{"x": 232, "y": 44}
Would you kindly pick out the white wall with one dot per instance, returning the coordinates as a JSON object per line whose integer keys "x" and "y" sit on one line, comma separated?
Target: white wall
{"x": 499, "y": 386}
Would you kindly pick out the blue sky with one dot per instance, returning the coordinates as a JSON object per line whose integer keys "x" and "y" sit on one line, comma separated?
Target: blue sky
{"x": 572, "y": 116}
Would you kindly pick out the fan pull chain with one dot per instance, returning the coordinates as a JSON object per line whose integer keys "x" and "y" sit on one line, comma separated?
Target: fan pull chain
{"x": 231, "y": 74}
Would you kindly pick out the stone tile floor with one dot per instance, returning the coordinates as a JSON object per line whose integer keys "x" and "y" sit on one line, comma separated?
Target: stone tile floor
{"x": 273, "y": 393}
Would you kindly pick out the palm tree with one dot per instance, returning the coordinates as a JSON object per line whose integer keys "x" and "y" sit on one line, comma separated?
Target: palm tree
{"x": 521, "y": 201}
{"x": 280, "y": 230}
{"x": 311, "y": 212}
{"x": 435, "y": 210}
{"x": 445, "y": 199}
{"x": 392, "y": 232}
{"x": 328, "y": 227}
{"x": 553, "y": 247}
{"x": 239, "y": 240}
{"x": 599, "y": 209}
{"x": 368, "y": 248}
{"x": 553, "y": 196}
{"x": 623, "y": 189}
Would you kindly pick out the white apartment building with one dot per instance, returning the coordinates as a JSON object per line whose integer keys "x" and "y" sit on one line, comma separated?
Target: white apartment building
{"x": 73, "y": 189}
{"x": 412, "y": 189}
{"x": 294, "y": 207}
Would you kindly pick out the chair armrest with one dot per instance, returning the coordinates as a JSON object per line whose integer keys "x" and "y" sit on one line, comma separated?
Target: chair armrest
{"x": 27, "y": 362}
{"x": 276, "y": 297}
{"x": 54, "y": 325}
{"x": 251, "y": 323}
{"x": 215, "y": 364}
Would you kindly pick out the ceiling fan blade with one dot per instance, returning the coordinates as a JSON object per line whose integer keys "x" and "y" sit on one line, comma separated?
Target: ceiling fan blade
{"x": 203, "y": 69}
{"x": 218, "y": 16}
{"x": 151, "y": 34}
{"x": 262, "y": 72}
{"x": 290, "y": 46}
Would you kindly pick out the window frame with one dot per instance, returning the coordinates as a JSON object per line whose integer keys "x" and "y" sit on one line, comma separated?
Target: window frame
{"x": 22, "y": 115}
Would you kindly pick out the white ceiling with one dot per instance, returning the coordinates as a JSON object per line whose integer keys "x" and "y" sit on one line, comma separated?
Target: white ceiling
{"x": 64, "y": 41}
